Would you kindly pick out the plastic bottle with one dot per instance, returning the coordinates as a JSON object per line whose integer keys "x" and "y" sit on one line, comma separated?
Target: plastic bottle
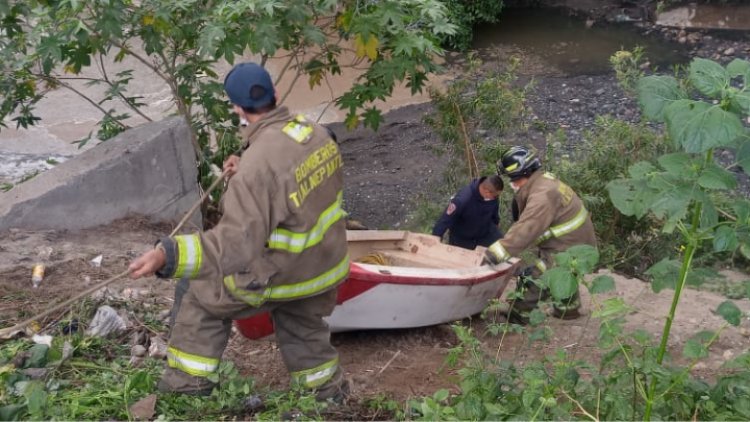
{"x": 37, "y": 275}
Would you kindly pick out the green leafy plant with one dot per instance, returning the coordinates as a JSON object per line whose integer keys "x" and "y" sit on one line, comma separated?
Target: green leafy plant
{"x": 610, "y": 384}
{"x": 467, "y": 14}
{"x": 627, "y": 66}
{"x": 680, "y": 190}
{"x": 604, "y": 153}
{"x": 67, "y": 44}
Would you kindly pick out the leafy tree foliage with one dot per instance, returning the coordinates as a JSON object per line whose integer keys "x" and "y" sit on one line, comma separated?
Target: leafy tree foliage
{"x": 47, "y": 45}
{"x": 465, "y": 14}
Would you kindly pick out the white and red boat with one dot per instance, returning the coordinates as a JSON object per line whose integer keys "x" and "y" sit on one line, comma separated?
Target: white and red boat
{"x": 400, "y": 279}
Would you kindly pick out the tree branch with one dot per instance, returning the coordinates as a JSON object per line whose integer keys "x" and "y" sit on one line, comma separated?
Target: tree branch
{"x": 103, "y": 70}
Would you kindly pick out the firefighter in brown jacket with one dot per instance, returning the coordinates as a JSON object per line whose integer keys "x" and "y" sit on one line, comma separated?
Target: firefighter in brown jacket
{"x": 280, "y": 246}
{"x": 551, "y": 217}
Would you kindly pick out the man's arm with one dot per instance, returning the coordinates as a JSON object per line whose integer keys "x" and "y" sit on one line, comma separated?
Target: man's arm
{"x": 536, "y": 217}
{"x": 232, "y": 245}
{"x": 448, "y": 218}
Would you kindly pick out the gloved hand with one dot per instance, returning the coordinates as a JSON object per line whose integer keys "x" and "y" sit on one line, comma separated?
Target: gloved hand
{"x": 489, "y": 258}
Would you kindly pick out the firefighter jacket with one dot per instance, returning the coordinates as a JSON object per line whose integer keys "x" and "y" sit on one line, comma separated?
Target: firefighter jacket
{"x": 282, "y": 235}
{"x": 468, "y": 215}
{"x": 551, "y": 217}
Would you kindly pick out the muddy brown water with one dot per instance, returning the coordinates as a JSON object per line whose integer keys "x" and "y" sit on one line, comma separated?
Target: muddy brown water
{"x": 572, "y": 44}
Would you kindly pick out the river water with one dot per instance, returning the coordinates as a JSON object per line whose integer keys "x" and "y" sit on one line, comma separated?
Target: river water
{"x": 573, "y": 45}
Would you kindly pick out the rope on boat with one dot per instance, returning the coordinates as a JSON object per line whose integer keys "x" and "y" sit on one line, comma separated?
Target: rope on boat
{"x": 375, "y": 258}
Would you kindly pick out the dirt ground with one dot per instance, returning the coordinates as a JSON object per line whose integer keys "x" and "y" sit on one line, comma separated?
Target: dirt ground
{"x": 399, "y": 364}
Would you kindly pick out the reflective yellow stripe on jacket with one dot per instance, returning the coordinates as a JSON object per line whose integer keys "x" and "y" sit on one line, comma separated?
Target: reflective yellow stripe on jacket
{"x": 297, "y": 130}
{"x": 189, "y": 256}
{"x": 315, "y": 377}
{"x": 297, "y": 242}
{"x": 291, "y": 291}
{"x": 564, "y": 228}
{"x": 195, "y": 365}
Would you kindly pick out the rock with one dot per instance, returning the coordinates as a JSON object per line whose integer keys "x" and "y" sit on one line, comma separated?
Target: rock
{"x": 144, "y": 409}
{"x": 727, "y": 355}
{"x": 682, "y": 33}
{"x": 253, "y": 403}
{"x": 682, "y": 40}
{"x": 645, "y": 66}
{"x": 36, "y": 373}
{"x": 138, "y": 350}
{"x": 729, "y": 51}
{"x": 158, "y": 348}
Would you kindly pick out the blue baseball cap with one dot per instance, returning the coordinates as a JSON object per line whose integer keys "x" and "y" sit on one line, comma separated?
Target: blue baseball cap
{"x": 249, "y": 86}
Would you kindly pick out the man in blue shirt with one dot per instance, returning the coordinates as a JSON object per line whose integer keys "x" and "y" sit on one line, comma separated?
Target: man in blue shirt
{"x": 472, "y": 215}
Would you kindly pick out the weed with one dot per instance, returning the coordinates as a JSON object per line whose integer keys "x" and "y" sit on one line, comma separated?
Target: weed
{"x": 627, "y": 66}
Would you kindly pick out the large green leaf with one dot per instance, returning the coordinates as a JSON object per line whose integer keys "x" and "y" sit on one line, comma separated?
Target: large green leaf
{"x": 708, "y": 76}
{"x": 715, "y": 177}
{"x": 741, "y": 101}
{"x": 698, "y": 276}
{"x": 694, "y": 350}
{"x": 664, "y": 274}
{"x": 739, "y": 67}
{"x": 611, "y": 307}
{"x": 642, "y": 169}
{"x": 580, "y": 258}
{"x": 697, "y": 126}
{"x": 725, "y": 239}
{"x": 602, "y": 284}
{"x": 697, "y": 346}
{"x": 672, "y": 199}
{"x": 631, "y": 196}
{"x": 562, "y": 284}
{"x": 657, "y": 92}
{"x": 680, "y": 164}
{"x": 730, "y": 312}
{"x": 709, "y": 217}
{"x": 741, "y": 210}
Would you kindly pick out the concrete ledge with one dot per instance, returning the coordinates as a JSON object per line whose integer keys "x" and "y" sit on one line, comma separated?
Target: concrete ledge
{"x": 149, "y": 170}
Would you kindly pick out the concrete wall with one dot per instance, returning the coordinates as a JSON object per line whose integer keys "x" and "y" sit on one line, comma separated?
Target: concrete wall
{"x": 149, "y": 170}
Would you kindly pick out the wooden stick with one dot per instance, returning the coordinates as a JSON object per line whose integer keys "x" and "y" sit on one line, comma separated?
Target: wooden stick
{"x": 395, "y": 355}
{"x": 10, "y": 332}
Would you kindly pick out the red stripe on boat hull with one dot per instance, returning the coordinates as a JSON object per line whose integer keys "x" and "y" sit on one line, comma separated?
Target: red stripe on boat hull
{"x": 360, "y": 280}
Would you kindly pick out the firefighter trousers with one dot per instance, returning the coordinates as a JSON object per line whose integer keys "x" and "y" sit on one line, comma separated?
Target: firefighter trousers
{"x": 533, "y": 294}
{"x": 201, "y": 323}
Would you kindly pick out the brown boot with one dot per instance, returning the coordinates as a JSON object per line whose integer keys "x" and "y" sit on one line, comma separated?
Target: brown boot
{"x": 176, "y": 381}
{"x": 565, "y": 314}
{"x": 336, "y": 390}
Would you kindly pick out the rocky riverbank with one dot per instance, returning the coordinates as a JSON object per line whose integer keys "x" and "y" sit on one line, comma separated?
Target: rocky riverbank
{"x": 389, "y": 170}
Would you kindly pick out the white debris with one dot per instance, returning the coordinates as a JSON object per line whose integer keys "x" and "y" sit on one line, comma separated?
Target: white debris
{"x": 45, "y": 339}
{"x": 105, "y": 321}
{"x": 97, "y": 262}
